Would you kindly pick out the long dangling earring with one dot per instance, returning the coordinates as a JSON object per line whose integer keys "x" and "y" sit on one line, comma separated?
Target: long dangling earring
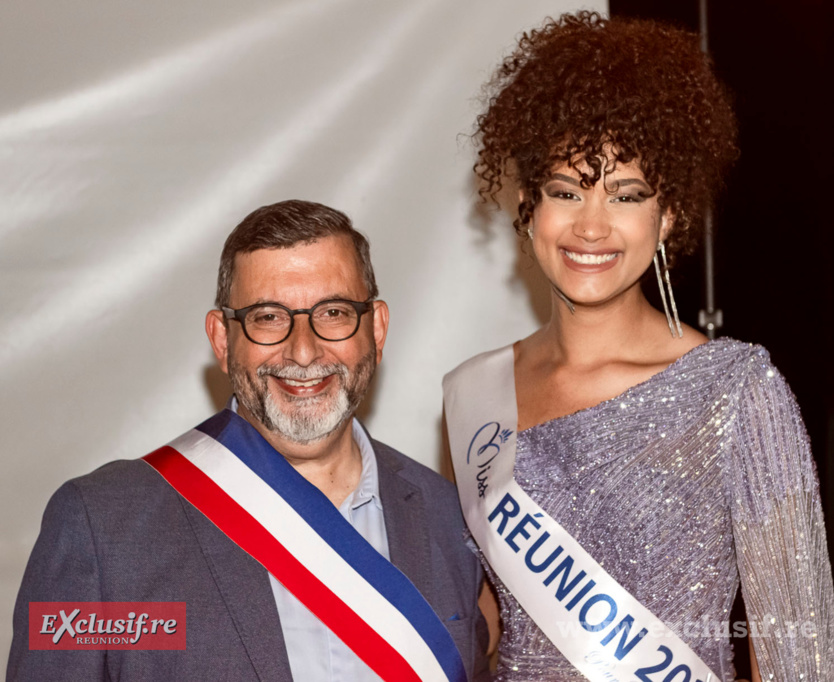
{"x": 660, "y": 282}
{"x": 530, "y": 231}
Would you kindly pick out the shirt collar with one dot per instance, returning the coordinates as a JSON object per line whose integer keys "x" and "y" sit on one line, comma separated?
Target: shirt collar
{"x": 367, "y": 490}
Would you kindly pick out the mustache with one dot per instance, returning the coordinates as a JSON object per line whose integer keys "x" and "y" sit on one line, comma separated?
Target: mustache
{"x": 298, "y": 373}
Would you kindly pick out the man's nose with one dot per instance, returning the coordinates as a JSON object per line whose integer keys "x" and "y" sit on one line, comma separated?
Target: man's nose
{"x": 302, "y": 346}
{"x": 592, "y": 222}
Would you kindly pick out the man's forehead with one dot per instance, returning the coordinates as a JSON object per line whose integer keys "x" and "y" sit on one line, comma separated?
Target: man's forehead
{"x": 328, "y": 263}
{"x": 337, "y": 250}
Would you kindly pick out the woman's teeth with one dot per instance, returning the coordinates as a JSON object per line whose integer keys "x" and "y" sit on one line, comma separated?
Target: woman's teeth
{"x": 590, "y": 258}
{"x": 305, "y": 384}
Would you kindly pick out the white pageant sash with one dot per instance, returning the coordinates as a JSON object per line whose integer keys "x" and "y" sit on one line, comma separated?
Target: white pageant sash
{"x": 597, "y": 624}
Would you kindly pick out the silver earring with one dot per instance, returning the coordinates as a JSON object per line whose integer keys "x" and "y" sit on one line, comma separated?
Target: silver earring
{"x": 530, "y": 231}
{"x": 564, "y": 298}
{"x": 660, "y": 282}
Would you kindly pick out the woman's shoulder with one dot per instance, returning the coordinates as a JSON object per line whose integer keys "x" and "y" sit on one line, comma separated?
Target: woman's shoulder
{"x": 729, "y": 354}
{"x": 727, "y": 369}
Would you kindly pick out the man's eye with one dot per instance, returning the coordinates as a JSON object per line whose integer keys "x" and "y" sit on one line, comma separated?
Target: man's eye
{"x": 268, "y": 318}
{"x": 337, "y": 312}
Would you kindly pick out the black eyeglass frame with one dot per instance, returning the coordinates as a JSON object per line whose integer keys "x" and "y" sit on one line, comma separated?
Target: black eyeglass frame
{"x": 361, "y": 307}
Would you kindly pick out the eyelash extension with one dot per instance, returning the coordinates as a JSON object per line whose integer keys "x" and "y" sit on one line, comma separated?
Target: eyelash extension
{"x": 636, "y": 198}
{"x": 560, "y": 193}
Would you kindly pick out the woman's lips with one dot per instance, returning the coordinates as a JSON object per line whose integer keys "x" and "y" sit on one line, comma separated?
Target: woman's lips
{"x": 583, "y": 261}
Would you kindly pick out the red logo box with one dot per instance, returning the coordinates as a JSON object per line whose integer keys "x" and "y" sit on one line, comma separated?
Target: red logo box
{"x": 85, "y": 625}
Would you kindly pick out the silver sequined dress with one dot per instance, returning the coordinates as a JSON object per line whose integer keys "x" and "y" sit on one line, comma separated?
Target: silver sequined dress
{"x": 679, "y": 487}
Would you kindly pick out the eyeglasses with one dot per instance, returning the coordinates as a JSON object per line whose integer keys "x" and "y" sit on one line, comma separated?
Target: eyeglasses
{"x": 268, "y": 324}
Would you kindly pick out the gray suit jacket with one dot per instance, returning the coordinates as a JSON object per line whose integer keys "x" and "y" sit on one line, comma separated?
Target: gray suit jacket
{"x": 122, "y": 533}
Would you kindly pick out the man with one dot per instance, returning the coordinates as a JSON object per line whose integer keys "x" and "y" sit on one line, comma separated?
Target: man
{"x": 291, "y": 482}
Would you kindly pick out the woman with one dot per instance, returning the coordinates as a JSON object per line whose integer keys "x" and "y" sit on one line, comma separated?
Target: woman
{"x": 638, "y": 470}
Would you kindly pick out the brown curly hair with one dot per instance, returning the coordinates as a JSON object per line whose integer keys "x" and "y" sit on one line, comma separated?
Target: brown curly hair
{"x": 583, "y": 85}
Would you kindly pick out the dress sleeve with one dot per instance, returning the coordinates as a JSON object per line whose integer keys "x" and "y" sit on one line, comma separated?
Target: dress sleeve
{"x": 779, "y": 532}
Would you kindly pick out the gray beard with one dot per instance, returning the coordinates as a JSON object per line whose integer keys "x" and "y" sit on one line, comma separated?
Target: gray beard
{"x": 302, "y": 419}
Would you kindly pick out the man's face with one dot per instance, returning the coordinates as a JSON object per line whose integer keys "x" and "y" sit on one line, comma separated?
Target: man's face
{"x": 304, "y": 388}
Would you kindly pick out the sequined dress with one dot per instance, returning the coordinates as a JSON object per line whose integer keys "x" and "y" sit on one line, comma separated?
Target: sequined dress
{"x": 680, "y": 487}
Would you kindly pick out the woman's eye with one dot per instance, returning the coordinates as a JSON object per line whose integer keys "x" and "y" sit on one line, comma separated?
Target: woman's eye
{"x": 562, "y": 194}
{"x": 628, "y": 199}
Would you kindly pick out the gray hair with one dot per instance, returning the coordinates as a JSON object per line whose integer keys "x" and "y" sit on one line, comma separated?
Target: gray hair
{"x": 286, "y": 224}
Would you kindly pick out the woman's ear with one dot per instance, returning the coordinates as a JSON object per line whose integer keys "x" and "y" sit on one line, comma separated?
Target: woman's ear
{"x": 667, "y": 222}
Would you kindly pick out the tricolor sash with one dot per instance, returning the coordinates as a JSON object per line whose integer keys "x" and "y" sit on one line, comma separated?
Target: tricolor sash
{"x": 226, "y": 469}
{"x": 605, "y": 633}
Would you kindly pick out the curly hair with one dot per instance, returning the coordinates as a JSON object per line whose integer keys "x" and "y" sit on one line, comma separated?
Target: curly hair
{"x": 607, "y": 91}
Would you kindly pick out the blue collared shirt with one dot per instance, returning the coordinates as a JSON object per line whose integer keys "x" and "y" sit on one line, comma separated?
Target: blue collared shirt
{"x": 315, "y": 653}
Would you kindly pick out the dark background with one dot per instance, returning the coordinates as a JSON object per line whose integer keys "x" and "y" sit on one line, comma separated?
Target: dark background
{"x": 774, "y": 227}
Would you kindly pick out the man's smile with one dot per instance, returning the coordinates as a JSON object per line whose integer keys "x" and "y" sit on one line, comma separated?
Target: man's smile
{"x": 303, "y": 387}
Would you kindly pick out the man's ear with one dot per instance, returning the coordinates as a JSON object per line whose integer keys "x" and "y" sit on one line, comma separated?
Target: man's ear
{"x": 218, "y": 334}
{"x": 667, "y": 222}
{"x": 380, "y": 326}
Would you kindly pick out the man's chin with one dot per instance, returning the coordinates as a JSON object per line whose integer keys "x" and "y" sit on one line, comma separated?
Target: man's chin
{"x": 290, "y": 404}
{"x": 305, "y": 433}
{"x": 306, "y": 420}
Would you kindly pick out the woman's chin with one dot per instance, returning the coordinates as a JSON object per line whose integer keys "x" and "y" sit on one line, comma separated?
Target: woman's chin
{"x": 598, "y": 294}
{"x": 588, "y": 299}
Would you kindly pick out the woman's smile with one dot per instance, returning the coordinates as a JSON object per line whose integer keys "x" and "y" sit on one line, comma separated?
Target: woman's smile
{"x": 590, "y": 258}
{"x": 589, "y": 262}
{"x": 594, "y": 243}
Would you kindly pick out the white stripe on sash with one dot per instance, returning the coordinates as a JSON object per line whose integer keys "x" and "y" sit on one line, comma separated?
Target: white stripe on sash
{"x": 597, "y": 624}
{"x": 257, "y": 498}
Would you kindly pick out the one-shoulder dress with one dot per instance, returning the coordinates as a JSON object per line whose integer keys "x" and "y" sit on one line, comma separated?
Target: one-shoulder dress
{"x": 680, "y": 487}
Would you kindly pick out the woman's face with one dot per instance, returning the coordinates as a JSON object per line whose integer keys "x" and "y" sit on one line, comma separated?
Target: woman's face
{"x": 595, "y": 244}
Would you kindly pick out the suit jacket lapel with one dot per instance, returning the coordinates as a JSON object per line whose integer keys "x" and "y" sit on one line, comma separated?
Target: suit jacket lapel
{"x": 244, "y": 586}
{"x": 403, "y": 508}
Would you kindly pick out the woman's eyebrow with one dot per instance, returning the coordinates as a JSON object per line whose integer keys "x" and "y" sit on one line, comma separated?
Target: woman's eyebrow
{"x": 566, "y": 178}
{"x": 629, "y": 181}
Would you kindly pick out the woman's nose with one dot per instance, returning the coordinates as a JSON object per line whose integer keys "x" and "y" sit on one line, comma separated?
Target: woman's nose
{"x": 592, "y": 222}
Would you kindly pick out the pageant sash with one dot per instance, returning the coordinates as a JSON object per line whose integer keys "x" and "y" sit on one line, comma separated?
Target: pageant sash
{"x": 596, "y": 623}
{"x": 232, "y": 475}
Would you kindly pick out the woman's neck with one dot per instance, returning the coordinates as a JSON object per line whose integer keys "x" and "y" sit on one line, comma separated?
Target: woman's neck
{"x": 627, "y": 328}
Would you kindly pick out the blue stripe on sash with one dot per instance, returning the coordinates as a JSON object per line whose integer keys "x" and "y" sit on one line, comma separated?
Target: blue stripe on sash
{"x": 242, "y": 439}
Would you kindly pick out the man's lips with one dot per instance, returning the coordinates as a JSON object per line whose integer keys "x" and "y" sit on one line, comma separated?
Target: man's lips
{"x": 303, "y": 387}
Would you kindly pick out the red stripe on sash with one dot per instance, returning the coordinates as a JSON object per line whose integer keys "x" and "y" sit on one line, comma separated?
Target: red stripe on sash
{"x": 201, "y": 491}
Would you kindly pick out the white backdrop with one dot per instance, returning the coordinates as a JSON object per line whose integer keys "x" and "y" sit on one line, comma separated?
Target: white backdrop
{"x": 134, "y": 137}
